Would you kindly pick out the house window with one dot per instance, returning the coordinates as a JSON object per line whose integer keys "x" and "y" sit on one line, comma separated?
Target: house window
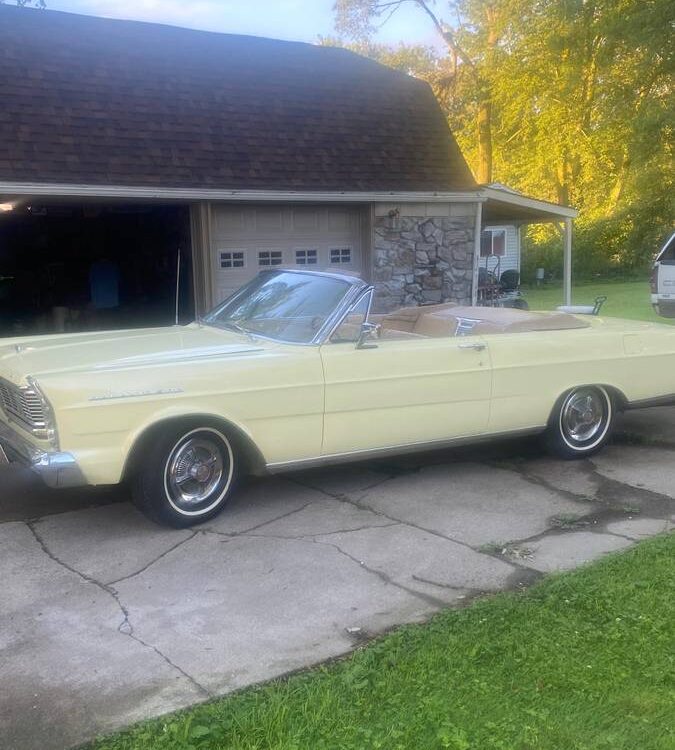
{"x": 234, "y": 259}
{"x": 492, "y": 242}
{"x": 269, "y": 257}
{"x": 306, "y": 257}
{"x": 341, "y": 255}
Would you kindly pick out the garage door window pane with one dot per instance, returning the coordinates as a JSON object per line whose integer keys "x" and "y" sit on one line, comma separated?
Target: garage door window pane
{"x": 269, "y": 258}
{"x": 232, "y": 259}
{"x": 341, "y": 255}
{"x": 306, "y": 257}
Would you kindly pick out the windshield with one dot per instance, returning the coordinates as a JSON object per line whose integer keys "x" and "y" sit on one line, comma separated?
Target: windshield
{"x": 282, "y": 305}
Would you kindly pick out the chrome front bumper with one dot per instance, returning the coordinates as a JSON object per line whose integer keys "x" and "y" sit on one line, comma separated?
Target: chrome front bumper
{"x": 56, "y": 469}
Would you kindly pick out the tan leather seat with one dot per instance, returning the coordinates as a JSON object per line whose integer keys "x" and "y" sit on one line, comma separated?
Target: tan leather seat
{"x": 510, "y": 320}
{"x": 405, "y": 318}
{"x": 437, "y": 325}
{"x": 437, "y": 321}
{"x": 393, "y": 334}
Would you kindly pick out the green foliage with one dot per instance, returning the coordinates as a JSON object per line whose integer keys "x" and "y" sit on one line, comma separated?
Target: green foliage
{"x": 582, "y": 661}
{"x": 25, "y": 3}
{"x": 580, "y": 109}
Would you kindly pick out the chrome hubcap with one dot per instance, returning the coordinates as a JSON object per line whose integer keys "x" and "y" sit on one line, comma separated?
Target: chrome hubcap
{"x": 583, "y": 415}
{"x": 195, "y": 470}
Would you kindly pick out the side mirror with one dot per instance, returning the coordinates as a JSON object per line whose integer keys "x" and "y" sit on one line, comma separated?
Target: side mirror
{"x": 366, "y": 333}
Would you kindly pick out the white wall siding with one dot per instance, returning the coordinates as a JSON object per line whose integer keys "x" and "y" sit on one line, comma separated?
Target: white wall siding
{"x": 511, "y": 259}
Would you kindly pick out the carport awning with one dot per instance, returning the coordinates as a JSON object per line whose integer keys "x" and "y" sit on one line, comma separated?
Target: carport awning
{"x": 502, "y": 205}
{"x": 505, "y": 206}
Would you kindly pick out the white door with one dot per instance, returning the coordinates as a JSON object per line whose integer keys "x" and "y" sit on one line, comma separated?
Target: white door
{"x": 248, "y": 239}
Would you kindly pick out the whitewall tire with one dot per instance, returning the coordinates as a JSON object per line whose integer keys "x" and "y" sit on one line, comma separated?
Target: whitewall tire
{"x": 581, "y": 422}
{"x": 185, "y": 475}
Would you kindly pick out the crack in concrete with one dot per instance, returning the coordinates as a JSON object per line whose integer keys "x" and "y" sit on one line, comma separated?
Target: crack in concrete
{"x": 317, "y": 488}
{"x": 538, "y": 481}
{"x": 125, "y": 627}
{"x": 606, "y": 494}
{"x": 152, "y": 562}
{"x": 272, "y": 520}
{"x": 467, "y": 589}
{"x": 344, "y": 498}
{"x": 633, "y": 439}
{"x": 349, "y": 531}
{"x": 665, "y": 530}
{"x": 387, "y": 579}
{"x": 607, "y": 485}
{"x": 384, "y": 577}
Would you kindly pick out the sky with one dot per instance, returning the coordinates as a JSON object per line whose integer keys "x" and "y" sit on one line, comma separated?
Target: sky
{"x": 298, "y": 20}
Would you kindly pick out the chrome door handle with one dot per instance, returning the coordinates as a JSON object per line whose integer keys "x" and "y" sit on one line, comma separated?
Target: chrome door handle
{"x": 478, "y": 346}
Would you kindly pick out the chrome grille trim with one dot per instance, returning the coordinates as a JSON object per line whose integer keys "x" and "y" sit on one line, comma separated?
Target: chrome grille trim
{"x": 24, "y": 404}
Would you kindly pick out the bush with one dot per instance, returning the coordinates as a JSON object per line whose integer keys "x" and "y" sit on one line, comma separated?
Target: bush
{"x": 621, "y": 247}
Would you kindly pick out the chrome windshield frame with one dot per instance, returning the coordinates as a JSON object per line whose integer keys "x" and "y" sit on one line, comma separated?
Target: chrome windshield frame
{"x": 367, "y": 290}
{"x": 355, "y": 290}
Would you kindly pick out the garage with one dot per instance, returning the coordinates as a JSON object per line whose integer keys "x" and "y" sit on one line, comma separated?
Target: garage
{"x": 129, "y": 141}
{"x": 67, "y": 266}
{"x": 248, "y": 239}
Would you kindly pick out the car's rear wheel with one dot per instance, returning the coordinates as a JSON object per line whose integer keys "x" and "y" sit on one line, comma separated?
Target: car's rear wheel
{"x": 581, "y": 422}
{"x": 185, "y": 475}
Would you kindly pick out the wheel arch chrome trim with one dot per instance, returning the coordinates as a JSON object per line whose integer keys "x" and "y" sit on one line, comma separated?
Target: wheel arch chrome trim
{"x": 254, "y": 458}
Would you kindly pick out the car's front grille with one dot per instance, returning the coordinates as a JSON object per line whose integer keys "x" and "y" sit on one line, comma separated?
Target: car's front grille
{"x": 22, "y": 404}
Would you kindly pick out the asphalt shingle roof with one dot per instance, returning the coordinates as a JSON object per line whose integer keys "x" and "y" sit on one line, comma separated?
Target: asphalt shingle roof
{"x": 95, "y": 101}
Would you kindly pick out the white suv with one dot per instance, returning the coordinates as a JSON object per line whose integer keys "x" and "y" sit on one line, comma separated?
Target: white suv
{"x": 663, "y": 280}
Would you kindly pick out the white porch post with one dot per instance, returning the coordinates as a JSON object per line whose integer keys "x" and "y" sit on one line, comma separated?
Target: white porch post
{"x": 476, "y": 252}
{"x": 567, "y": 262}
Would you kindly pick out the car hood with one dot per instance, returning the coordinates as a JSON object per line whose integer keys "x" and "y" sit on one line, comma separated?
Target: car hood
{"x": 37, "y": 356}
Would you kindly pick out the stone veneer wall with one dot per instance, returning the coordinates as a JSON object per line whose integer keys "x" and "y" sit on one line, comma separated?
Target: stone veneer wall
{"x": 421, "y": 260}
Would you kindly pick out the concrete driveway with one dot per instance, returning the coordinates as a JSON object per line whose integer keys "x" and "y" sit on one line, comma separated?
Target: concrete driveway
{"x": 106, "y": 618}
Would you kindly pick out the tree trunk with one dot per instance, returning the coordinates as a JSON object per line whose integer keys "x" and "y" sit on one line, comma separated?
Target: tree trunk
{"x": 484, "y": 127}
{"x": 484, "y": 115}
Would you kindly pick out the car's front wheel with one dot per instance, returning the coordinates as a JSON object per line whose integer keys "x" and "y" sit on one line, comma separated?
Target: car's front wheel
{"x": 581, "y": 422}
{"x": 185, "y": 475}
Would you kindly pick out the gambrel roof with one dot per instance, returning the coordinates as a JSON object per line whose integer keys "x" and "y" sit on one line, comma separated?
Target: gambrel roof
{"x": 96, "y": 101}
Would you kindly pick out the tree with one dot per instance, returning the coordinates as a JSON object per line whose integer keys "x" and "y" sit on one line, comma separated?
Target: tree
{"x": 585, "y": 113}
{"x": 472, "y": 44}
{"x": 569, "y": 100}
{"x": 26, "y": 3}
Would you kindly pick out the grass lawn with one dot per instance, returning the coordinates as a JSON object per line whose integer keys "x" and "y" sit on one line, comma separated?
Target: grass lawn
{"x": 581, "y": 661}
{"x": 625, "y": 299}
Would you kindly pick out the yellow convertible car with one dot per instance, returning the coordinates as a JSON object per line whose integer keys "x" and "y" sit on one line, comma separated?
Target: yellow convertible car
{"x": 295, "y": 370}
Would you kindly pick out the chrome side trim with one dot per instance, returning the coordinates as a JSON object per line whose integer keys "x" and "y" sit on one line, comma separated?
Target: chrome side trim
{"x": 56, "y": 469}
{"x": 368, "y": 453}
{"x": 645, "y": 403}
{"x": 113, "y": 395}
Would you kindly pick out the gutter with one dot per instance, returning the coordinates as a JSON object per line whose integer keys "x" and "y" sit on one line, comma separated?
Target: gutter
{"x": 199, "y": 194}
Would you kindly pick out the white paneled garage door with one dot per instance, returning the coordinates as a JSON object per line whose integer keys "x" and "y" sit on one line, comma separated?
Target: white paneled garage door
{"x": 247, "y": 239}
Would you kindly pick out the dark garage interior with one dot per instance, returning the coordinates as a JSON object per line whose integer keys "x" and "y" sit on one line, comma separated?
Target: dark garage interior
{"x": 67, "y": 267}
